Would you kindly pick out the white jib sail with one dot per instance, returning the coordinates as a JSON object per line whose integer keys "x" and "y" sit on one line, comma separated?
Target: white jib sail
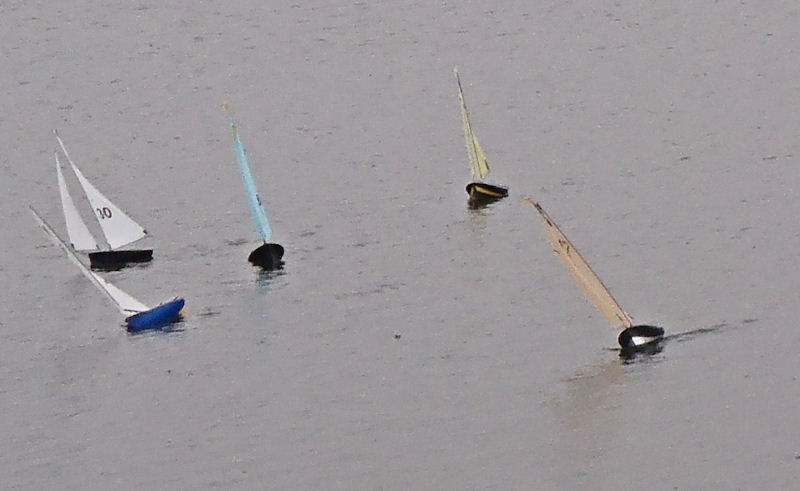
{"x": 78, "y": 232}
{"x": 118, "y": 228}
{"x": 126, "y": 303}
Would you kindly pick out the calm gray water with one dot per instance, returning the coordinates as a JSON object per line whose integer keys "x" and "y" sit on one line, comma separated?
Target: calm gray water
{"x": 664, "y": 140}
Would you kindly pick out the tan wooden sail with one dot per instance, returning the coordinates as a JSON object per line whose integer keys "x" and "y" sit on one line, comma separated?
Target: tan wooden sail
{"x": 477, "y": 159}
{"x": 587, "y": 280}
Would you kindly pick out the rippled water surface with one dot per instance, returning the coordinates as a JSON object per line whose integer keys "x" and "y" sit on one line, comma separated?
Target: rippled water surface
{"x": 409, "y": 343}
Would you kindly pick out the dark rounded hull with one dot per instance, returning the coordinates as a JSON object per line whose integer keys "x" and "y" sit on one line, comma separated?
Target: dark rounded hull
{"x": 640, "y": 339}
{"x": 268, "y": 256}
{"x": 118, "y": 259}
{"x": 482, "y": 194}
{"x": 157, "y": 317}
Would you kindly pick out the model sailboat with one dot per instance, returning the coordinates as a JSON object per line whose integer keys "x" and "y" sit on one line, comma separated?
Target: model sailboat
{"x": 118, "y": 228}
{"x": 268, "y": 255}
{"x": 632, "y": 336}
{"x": 138, "y": 316}
{"x": 480, "y": 193}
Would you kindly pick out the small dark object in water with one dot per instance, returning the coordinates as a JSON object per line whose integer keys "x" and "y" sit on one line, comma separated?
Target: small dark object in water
{"x": 640, "y": 338}
{"x": 113, "y": 260}
{"x": 268, "y": 256}
{"x": 481, "y": 194}
{"x": 397, "y": 335}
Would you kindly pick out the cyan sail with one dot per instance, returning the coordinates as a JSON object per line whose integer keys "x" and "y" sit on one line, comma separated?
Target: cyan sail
{"x": 256, "y": 208}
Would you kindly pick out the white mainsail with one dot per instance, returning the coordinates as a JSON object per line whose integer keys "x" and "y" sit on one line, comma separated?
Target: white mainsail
{"x": 78, "y": 232}
{"x": 118, "y": 228}
{"x": 582, "y": 273}
{"x": 125, "y": 302}
{"x": 478, "y": 164}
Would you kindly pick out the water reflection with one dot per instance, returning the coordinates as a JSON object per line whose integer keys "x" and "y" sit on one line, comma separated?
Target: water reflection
{"x": 588, "y": 415}
{"x": 266, "y": 278}
{"x": 592, "y": 414}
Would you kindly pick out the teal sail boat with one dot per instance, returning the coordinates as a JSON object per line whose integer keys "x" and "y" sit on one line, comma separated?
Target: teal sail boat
{"x": 480, "y": 193}
{"x": 268, "y": 256}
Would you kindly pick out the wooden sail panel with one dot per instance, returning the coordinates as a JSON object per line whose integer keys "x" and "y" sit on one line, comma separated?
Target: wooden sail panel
{"x": 594, "y": 289}
{"x": 77, "y": 231}
{"x": 478, "y": 164}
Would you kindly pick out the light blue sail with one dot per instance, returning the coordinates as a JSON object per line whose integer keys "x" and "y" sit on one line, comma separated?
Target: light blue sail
{"x": 256, "y": 208}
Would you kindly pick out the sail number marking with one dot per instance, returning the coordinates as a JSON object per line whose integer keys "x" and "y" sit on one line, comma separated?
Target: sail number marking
{"x": 103, "y": 212}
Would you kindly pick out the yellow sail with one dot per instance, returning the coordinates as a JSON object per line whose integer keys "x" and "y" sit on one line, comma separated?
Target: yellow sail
{"x": 587, "y": 280}
{"x": 477, "y": 159}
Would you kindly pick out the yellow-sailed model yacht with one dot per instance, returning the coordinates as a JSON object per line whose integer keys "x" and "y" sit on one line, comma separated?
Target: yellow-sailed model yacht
{"x": 633, "y": 338}
{"x": 480, "y": 193}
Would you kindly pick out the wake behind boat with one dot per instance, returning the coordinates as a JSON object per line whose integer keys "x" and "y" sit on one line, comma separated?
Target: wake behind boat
{"x": 118, "y": 228}
{"x": 633, "y": 338}
{"x": 139, "y": 317}
{"x": 268, "y": 256}
{"x": 480, "y": 193}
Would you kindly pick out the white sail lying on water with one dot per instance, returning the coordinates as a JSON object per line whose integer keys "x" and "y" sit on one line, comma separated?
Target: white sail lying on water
{"x": 79, "y": 235}
{"x": 582, "y": 273}
{"x": 118, "y": 228}
{"x": 125, "y": 302}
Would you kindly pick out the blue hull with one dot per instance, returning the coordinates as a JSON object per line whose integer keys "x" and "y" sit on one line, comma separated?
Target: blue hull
{"x": 156, "y": 317}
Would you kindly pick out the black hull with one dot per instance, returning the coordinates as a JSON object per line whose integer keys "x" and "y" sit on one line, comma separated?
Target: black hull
{"x": 110, "y": 260}
{"x": 482, "y": 194}
{"x": 642, "y": 339}
{"x": 267, "y": 256}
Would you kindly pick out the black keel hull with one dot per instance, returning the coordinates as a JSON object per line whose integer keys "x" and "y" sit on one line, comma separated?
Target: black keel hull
{"x": 482, "y": 194}
{"x": 640, "y": 339}
{"x": 110, "y": 260}
{"x": 268, "y": 256}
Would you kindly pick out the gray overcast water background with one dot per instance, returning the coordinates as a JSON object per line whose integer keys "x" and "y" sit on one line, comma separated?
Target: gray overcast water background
{"x": 662, "y": 137}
